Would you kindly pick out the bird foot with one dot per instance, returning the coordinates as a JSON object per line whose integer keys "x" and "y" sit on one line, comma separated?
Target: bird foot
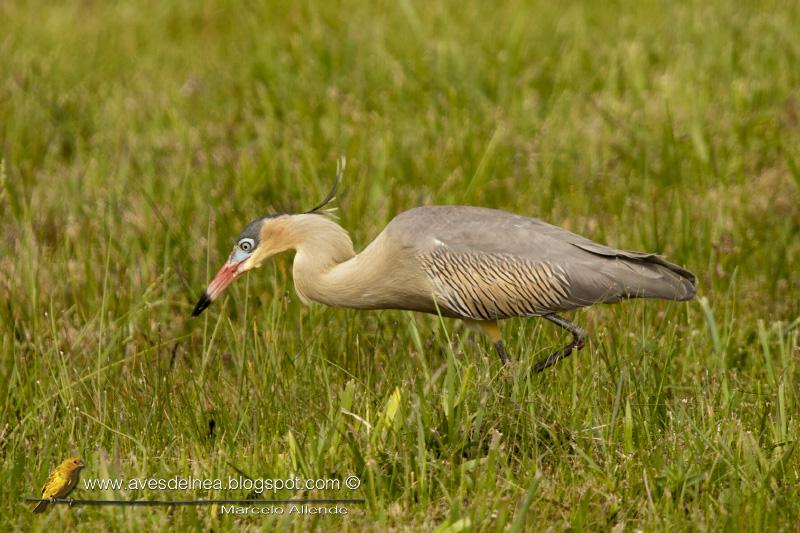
{"x": 578, "y": 342}
{"x": 557, "y": 356}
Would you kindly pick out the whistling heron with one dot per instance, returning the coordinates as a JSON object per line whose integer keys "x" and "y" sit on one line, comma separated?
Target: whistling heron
{"x": 480, "y": 265}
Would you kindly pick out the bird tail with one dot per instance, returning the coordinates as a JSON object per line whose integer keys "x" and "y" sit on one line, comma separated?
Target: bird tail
{"x": 639, "y": 275}
{"x": 40, "y": 507}
{"x": 653, "y": 277}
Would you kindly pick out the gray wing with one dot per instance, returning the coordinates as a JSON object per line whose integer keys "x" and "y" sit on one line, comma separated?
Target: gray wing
{"x": 486, "y": 264}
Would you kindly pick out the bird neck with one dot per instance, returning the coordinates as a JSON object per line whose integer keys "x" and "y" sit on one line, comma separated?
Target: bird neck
{"x": 326, "y": 268}
{"x": 320, "y": 242}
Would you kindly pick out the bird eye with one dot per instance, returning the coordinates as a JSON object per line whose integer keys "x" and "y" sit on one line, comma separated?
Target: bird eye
{"x": 246, "y": 245}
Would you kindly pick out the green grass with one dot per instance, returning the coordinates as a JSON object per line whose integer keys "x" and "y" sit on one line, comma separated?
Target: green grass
{"x": 138, "y": 139}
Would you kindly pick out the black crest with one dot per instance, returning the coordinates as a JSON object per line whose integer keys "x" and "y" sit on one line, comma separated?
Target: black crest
{"x": 320, "y": 209}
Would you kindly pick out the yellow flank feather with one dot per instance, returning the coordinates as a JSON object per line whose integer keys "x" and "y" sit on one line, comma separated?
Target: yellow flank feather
{"x": 61, "y": 482}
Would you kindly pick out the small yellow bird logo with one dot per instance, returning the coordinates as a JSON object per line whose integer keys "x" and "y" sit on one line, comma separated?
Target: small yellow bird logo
{"x": 61, "y": 482}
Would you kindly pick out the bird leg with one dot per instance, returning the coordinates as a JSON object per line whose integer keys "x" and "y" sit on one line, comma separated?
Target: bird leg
{"x": 501, "y": 351}
{"x": 578, "y": 341}
{"x": 492, "y": 330}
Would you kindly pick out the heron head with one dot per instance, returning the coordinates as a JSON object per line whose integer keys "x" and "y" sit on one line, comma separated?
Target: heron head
{"x": 259, "y": 240}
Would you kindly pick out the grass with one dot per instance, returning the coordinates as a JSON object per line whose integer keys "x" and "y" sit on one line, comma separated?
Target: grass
{"x": 138, "y": 138}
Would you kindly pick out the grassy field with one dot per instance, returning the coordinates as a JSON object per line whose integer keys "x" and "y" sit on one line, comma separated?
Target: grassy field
{"x": 137, "y": 139}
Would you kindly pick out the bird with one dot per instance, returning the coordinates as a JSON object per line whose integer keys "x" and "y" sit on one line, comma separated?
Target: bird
{"x": 60, "y": 483}
{"x": 476, "y": 264}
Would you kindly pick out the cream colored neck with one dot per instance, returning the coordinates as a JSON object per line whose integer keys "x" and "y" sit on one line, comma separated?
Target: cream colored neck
{"x": 326, "y": 268}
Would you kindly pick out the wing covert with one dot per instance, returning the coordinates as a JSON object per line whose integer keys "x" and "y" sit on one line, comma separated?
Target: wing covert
{"x": 484, "y": 286}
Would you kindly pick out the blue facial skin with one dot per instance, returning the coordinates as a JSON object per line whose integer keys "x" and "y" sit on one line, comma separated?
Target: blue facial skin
{"x": 238, "y": 255}
{"x": 247, "y": 241}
